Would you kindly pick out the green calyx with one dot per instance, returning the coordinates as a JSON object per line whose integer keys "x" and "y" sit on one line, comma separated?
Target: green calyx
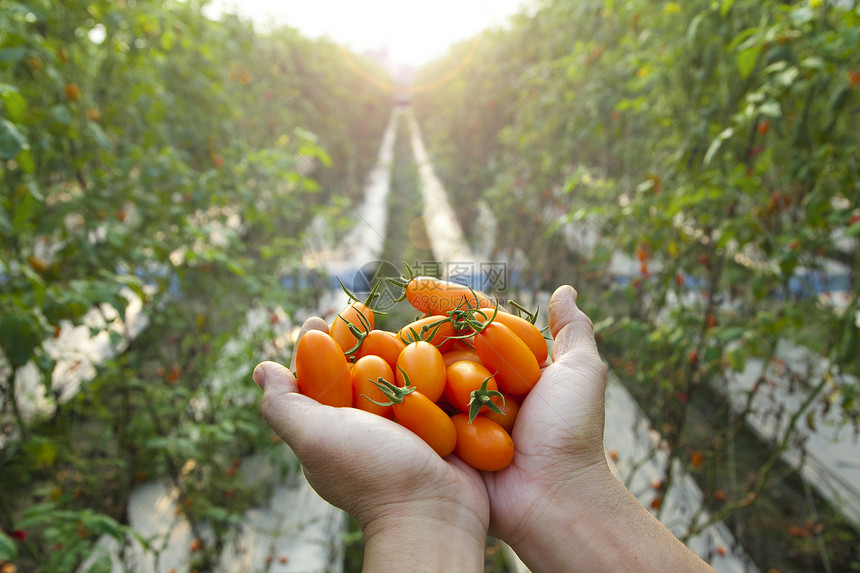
{"x": 402, "y": 281}
{"x": 394, "y": 393}
{"x": 530, "y": 316}
{"x": 426, "y": 332}
{"x": 358, "y": 333}
{"x": 371, "y": 296}
{"x": 484, "y": 397}
{"x": 466, "y": 317}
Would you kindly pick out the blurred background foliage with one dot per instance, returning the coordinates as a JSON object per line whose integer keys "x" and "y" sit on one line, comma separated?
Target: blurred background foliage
{"x": 154, "y": 158}
{"x": 692, "y": 167}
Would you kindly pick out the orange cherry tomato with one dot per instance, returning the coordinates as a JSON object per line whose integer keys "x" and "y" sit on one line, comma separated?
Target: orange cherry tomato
{"x": 383, "y": 344}
{"x": 511, "y": 361}
{"x": 423, "y": 364}
{"x": 483, "y": 444}
{"x": 365, "y": 372}
{"x": 322, "y": 371}
{"x": 456, "y": 355}
{"x": 528, "y": 332}
{"x": 339, "y": 329}
{"x": 428, "y": 421}
{"x": 437, "y": 329}
{"x": 436, "y": 296}
{"x": 464, "y": 377}
{"x": 509, "y": 407}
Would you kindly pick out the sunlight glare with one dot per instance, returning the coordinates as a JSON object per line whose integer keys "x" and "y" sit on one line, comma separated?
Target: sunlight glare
{"x": 407, "y": 33}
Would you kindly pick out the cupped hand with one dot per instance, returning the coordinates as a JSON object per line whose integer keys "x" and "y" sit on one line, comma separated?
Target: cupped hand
{"x": 558, "y": 434}
{"x": 376, "y": 470}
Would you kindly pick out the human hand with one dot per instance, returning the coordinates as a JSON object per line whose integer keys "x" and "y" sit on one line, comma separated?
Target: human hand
{"x": 558, "y": 434}
{"x": 557, "y": 504}
{"x": 417, "y": 511}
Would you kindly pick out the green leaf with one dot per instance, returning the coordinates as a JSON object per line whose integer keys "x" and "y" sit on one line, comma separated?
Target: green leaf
{"x": 12, "y": 141}
{"x": 24, "y": 212}
{"x": 725, "y": 7}
{"x": 747, "y": 60}
{"x": 736, "y": 359}
{"x": 25, "y": 161}
{"x": 839, "y": 98}
{"x": 8, "y": 549}
{"x": 14, "y": 103}
{"x": 44, "y": 452}
{"x": 100, "y": 136}
{"x": 18, "y": 337}
{"x": 61, "y": 114}
{"x": 100, "y": 523}
{"x": 853, "y": 230}
{"x": 15, "y": 54}
{"x": 717, "y": 143}
{"x": 771, "y": 109}
{"x": 101, "y": 565}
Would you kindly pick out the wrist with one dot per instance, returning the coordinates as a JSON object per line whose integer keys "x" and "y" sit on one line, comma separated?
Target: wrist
{"x": 593, "y": 523}
{"x": 430, "y": 538}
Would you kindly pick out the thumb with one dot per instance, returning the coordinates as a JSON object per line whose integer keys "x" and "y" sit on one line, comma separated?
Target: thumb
{"x": 571, "y": 329}
{"x": 282, "y": 407}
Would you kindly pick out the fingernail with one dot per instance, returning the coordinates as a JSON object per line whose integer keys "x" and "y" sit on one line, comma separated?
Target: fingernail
{"x": 260, "y": 375}
{"x": 568, "y": 291}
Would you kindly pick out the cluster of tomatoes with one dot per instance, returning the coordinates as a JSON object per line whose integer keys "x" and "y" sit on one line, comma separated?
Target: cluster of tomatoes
{"x": 454, "y": 377}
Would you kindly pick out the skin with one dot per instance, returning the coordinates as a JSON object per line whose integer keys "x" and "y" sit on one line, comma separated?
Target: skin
{"x": 394, "y": 485}
{"x": 557, "y": 504}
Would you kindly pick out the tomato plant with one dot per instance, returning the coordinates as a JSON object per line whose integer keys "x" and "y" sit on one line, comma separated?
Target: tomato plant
{"x": 731, "y": 231}
{"x": 145, "y": 180}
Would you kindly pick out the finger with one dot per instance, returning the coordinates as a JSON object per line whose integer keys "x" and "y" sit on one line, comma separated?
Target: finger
{"x": 282, "y": 404}
{"x": 270, "y": 373}
{"x": 571, "y": 329}
{"x": 313, "y": 323}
